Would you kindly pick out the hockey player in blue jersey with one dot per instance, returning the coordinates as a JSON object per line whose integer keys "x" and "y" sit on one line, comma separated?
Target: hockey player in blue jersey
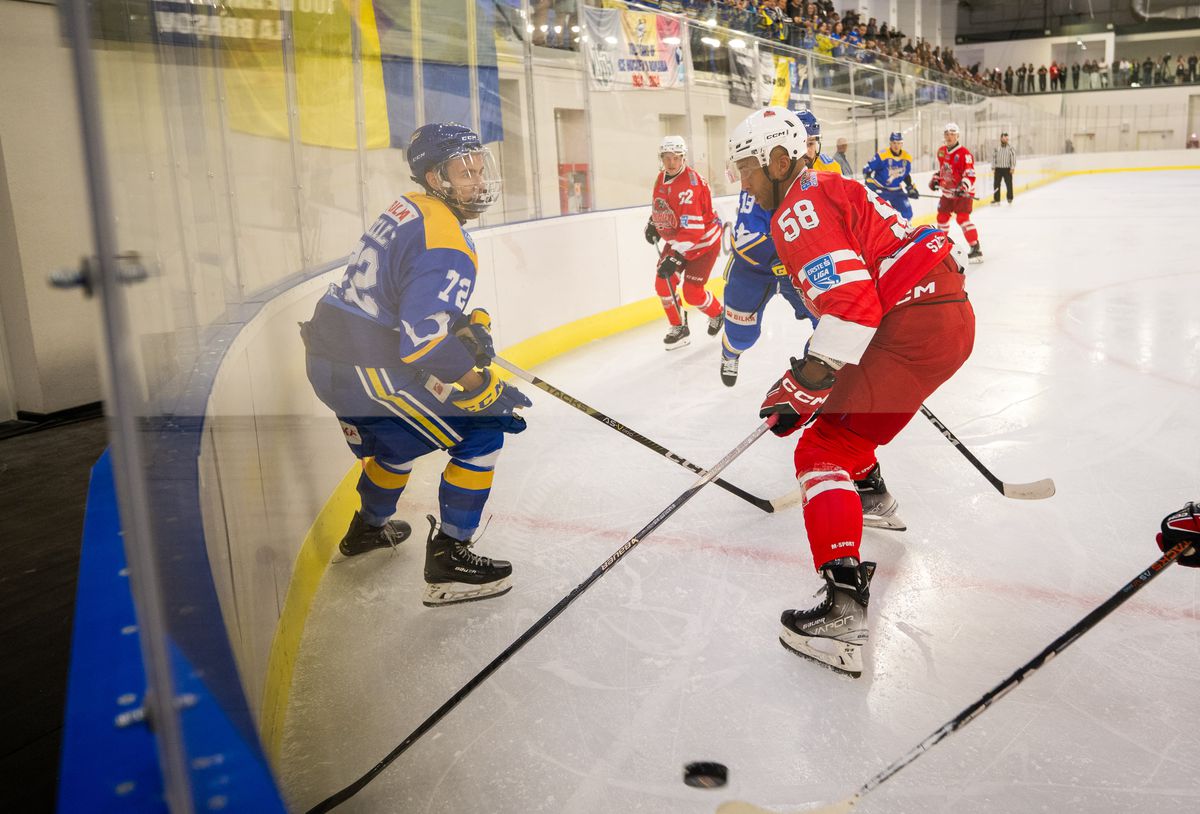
{"x": 752, "y": 278}
{"x": 888, "y": 172}
{"x": 393, "y": 351}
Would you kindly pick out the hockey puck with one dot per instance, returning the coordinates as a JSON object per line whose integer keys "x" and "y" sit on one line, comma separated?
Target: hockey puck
{"x": 705, "y": 775}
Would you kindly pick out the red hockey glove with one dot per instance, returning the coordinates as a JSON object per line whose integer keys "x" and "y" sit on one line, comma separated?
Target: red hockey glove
{"x": 933, "y": 183}
{"x": 795, "y": 399}
{"x": 671, "y": 263}
{"x": 965, "y": 191}
{"x": 1179, "y": 527}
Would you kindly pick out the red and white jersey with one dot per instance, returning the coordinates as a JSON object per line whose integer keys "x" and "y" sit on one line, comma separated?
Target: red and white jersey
{"x": 852, "y": 257}
{"x": 682, "y": 212}
{"x": 956, "y": 165}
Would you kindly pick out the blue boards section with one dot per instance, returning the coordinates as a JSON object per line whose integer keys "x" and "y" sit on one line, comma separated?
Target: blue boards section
{"x": 106, "y": 767}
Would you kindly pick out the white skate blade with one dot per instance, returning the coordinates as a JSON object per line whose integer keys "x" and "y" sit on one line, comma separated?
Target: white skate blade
{"x": 891, "y": 522}
{"x": 452, "y": 593}
{"x": 841, "y": 657}
{"x": 974, "y": 260}
{"x": 682, "y": 343}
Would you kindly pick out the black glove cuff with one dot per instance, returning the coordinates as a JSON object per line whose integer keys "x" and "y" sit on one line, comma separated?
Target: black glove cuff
{"x": 826, "y": 382}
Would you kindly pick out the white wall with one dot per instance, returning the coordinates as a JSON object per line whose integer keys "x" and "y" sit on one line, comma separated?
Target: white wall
{"x": 44, "y": 216}
{"x": 1039, "y": 51}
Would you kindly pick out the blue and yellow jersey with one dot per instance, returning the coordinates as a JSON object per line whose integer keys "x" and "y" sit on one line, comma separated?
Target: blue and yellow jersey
{"x": 751, "y": 241}
{"x": 887, "y": 170}
{"x": 825, "y": 163}
{"x": 406, "y": 284}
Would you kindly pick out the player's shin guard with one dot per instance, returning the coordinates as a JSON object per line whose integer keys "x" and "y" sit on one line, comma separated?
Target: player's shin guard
{"x": 666, "y": 295}
{"x": 969, "y": 231}
{"x": 380, "y": 486}
{"x": 466, "y": 484}
{"x": 832, "y": 514}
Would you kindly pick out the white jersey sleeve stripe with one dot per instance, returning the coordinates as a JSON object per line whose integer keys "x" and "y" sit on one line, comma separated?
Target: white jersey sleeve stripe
{"x": 840, "y": 339}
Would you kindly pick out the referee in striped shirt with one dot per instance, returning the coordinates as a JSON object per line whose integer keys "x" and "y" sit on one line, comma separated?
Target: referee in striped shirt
{"x": 1004, "y": 161}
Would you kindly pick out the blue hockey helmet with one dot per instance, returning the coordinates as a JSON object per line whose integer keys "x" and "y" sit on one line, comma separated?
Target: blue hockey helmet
{"x": 897, "y": 136}
{"x": 811, "y": 126}
{"x": 469, "y": 179}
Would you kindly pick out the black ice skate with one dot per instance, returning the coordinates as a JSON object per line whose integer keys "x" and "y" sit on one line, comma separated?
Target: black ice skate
{"x": 714, "y": 324}
{"x": 878, "y": 505}
{"x": 834, "y": 633}
{"x": 362, "y": 537}
{"x": 729, "y": 368}
{"x": 975, "y": 255}
{"x": 677, "y": 335}
{"x": 454, "y": 573}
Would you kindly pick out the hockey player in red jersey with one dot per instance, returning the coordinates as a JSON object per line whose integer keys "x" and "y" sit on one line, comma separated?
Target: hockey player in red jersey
{"x": 955, "y": 176}
{"x": 872, "y": 360}
{"x": 682, "y": 214}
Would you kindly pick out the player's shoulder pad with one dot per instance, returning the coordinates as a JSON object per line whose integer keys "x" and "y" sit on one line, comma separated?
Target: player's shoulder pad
{"x": 442, "y": 229}
{"x": 904, "y": 155}
{"x": 884, "y": 155}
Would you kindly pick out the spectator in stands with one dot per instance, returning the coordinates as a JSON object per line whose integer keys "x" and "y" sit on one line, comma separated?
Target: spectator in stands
{"x": 1192, "y": 68}
{"x": 1181, "y": 71}
{"x": 1135, "y": 72}
{"x": 1053, "y": 75}
{"x": 1042, "y": 72}
{"x": 1075, "y": 76}
{"x": 1021, "y": 78}
{"x": 1102, "y": 72}
{"x": 1147, "y": 72}
{"x": 842, "y": 159}
{"x": 1193, "y": 142}
{"x": 1008, "y": 79}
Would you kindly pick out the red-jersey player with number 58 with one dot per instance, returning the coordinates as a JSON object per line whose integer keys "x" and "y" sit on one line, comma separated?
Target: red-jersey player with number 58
{"x": 893, "y": 324}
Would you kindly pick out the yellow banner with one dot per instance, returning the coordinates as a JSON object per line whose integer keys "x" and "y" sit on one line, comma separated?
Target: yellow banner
{"x": 782, "y": 91}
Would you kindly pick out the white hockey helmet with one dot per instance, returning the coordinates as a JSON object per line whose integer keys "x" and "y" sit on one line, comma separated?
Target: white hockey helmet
{"x": 951, "y": 127}
{"x": 673, "y": 144}
{"x": 761, "y": 132}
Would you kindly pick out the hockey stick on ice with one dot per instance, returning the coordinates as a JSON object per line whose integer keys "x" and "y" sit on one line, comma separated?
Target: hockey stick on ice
{"x": 991, "y": 696}
{"x": 345, "y": 794}
{"x": 1038, "y": 490}
{"x": 541, "y": 384}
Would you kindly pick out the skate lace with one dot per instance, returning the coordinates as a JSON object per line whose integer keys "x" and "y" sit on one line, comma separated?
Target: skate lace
{"x": 729, "y": 365}
{"x": 392, "y": 536}
{"x": 464, "y": 552}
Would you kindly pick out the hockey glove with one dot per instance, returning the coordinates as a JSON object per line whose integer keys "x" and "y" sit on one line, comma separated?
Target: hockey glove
{"x": 933, "y": 183}
{"x": 651, "y": 233}
{"x": 1183, "y": 526}
{"x": 493, "y": 399}
{"x": 912, "y": 191}
{"x": 795, "y": 399}
{"x": 670, "y": 263}
{"x": 475, "y": 332}
{"x": 965, "y": 191}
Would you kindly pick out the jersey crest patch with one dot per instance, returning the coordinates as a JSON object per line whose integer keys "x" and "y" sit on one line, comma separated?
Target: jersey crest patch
{"x": 808, "y": 179}
{"x": 821, "y": 273}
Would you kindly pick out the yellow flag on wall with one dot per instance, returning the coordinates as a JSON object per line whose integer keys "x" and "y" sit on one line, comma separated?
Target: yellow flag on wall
{"x": 782, "y": 90}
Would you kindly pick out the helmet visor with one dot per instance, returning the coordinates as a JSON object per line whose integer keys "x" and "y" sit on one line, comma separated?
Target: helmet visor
{"x": 471, "y": 181}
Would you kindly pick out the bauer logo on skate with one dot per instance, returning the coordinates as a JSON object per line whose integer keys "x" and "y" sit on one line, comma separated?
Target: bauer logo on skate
{"x": 821, "y": 273}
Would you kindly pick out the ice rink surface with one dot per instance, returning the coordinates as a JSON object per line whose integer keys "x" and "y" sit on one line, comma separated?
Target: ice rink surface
{"x": 1086, "y": 369}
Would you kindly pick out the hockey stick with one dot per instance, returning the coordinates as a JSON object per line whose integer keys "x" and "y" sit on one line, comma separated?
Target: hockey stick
{"x": 1038, "y": 490}
{"x": 349, "y": 791}
{"x": 991, "y": 696}
{"x": 628, "y": 432}
{"x": 927, "y": 195}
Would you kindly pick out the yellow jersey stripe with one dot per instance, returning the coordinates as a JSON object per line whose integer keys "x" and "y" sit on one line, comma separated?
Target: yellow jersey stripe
{"x": 742, "y": 249}
{"x": 415, "y": 355}
{"x": 391, "y": 398}
{"x": 456, "y": 475}
{"x": 442, "y": 229}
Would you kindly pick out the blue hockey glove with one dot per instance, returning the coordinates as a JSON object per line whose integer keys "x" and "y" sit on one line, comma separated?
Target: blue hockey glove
{"x": 475, "y": 332}
{"x": 1183, "y": 526}
{"x": 912, "y": 191}
{"x": 671, "y": 263}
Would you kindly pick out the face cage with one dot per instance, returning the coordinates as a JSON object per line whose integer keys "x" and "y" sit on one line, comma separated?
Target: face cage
{"x": 485, "y": 180}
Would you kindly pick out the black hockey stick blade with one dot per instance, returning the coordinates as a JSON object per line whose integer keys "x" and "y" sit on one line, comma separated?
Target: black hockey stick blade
{"x": 991, "y": 696}
{"x": 767, "y": 506}
{"x": 337, "y": 798}
{"x": 1038, "y": 490}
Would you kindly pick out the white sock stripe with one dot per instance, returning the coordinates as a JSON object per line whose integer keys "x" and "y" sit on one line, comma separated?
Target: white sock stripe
{"x": 483, "y": 461}
{"x": 420, "y": 406}
{"x": 827, "y": 485}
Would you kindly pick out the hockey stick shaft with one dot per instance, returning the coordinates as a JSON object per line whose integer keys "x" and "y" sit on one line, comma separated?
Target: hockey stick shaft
{"x": 628, "y": 432}
{"x": 1000, "y": 690}
{"x": 1020, "y": 491}
{"x": 537, "y": 627}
